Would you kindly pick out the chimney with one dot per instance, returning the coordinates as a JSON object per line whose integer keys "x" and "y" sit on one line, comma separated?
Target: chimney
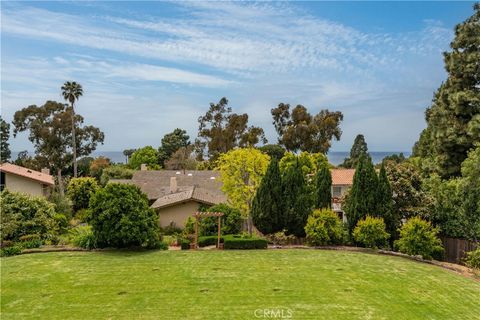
{"x": 45, "y": 171}
{"x": 173, "y": 185}
{"x": 143, "y": 167}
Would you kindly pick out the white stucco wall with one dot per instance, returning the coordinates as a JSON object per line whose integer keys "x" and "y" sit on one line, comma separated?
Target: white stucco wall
{"x": 24, "y": 185}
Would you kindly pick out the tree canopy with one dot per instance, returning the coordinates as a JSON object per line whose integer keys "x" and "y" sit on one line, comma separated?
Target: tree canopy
{"x": 267, "y": 207}
{"x": 182, "y": 159}
{"x": 171, "y": 142}
{"x": 273, "y": 150}
{"x": 146, "y": 155}
{"x": 220, "y": 130}
{"x": 453, "y": 119}
{"x": 308, "y": 162}
{"x": 297, "y": 200}
{"x": 323, "y": 188}
{"x": 361, "y": 200}
{"x": 50, "y": 132}
{"x": 385, "y": 204}
{"x": 359, "y": 149}
{"x": 241, "y": 172}
{"x": 299, "y": 130}
{"x": 4, "y": 136}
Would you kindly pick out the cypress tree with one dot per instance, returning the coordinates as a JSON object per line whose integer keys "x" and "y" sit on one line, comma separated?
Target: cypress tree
{"x": 385, "y": 204}
{"x": 267, "y": 206}
{"x": 323, "y": 187}
{"x": 361, "y": 200}
{"x": 297, "y": 200}
{"x": 359, "y": 149}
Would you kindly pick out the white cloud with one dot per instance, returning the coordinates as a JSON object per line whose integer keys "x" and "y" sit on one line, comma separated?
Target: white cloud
{"x": 232, "y": 37}
{"x": 147, "y": 76}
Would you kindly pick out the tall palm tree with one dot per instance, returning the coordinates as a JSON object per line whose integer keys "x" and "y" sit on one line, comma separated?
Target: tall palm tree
{"x": 71, "y": 91}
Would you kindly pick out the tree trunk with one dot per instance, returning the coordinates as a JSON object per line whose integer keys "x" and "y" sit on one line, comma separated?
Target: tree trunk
{"x": 74, "y": 144}
{"x": 60, "y": 182}
{"x": 250, "y": 225}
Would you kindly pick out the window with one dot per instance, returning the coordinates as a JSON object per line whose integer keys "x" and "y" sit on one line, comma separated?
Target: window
{"x": 2, "y": 181}
{"x": 336, "y": 192}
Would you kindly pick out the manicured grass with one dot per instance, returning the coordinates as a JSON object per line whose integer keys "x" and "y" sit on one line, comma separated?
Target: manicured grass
{"x": 312, "y": 284}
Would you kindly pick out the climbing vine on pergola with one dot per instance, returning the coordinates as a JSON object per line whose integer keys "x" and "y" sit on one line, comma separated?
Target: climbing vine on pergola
{"x": 200, "y": 215}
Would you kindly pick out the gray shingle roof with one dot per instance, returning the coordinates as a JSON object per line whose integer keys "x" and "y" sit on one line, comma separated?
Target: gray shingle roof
{"x": 195, "y": 193}
{"x": 156, "y": 183}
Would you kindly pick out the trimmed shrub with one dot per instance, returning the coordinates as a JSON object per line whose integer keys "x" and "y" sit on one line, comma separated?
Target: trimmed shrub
{"x": 23, "y": 215}
{"x": 171, "y": 229}
{"x": 10, "y": 251}
{"x": 239, "y": 242}
{"x": 370, "y": 232}
{"x": 280, "y": 238}
{"x": 82, "y": 237}
{"x": 206, "y": 241}
{"x": 185, "y": 244}
{"x": 324, "y": 228}
{"x": 30, "y": 241}
{"x": 121, "y": 217}
{"x": 79, "y": 190}
{"x": 473, "y": 259}
{"x": 418, "y": 237}
{"x": 189, "y": 226}
{"x": 231, "y": 220}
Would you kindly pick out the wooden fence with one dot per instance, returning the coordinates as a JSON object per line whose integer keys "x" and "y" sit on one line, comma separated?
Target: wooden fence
{"x": 456, "y": 249}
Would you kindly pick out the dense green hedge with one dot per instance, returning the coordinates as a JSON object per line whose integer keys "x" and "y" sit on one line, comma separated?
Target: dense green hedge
{"x": 185, "y": 244}
{"x": 239, "y": 242}
{"x": 80, "y": 190}
{"x": 121, "y": 217}
{"x": 23, "y": 215}
{"x": 208, "y": 241}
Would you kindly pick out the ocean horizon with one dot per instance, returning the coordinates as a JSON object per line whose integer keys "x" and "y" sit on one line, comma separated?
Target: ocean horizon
{"x": 334, "y": 157}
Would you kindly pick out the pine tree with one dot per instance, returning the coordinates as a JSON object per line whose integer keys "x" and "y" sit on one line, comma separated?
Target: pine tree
{"x": 267, "y": 207}
{"x": 297, "y": 201}
{"x": 323, "y": 188}
{"x": 453, "y": 119}
{"x": 385, "y": 204}
{"x": 359, "y": 149}
{"x": 361, "y": 200}
{"x": 4, "y": 136}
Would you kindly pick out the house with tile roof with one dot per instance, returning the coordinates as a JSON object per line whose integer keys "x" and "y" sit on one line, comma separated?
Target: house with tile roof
{"x": 342, "y": 180}
{"x": 20, "y": 179}
{"x": 177, "y": 195}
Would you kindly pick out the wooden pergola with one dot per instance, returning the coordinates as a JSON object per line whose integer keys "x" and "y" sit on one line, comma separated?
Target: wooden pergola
{"x": 200, "y": 215}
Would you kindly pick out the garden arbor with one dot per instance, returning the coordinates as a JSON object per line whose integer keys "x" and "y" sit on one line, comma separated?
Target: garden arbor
{"x": 200, "y": 215}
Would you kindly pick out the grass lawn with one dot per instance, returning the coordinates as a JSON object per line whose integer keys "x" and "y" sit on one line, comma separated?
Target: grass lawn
{"x": 311, "y": 284}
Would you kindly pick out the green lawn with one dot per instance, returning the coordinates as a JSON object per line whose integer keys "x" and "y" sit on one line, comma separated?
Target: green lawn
{"x": 311, "y": 284}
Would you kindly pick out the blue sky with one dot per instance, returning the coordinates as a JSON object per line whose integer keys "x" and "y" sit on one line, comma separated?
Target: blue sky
{"x": 149, "y": 67}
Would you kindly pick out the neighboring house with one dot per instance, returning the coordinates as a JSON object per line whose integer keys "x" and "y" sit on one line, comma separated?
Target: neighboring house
{"x": 177, "y": 195}
{"x": 20, "y": 179}
{"x": 342, "y": 180}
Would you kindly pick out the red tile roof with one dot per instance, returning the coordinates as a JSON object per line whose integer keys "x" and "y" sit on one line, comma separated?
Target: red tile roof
{"x": 27, "y": 173}
{"x": 342, "y": 176}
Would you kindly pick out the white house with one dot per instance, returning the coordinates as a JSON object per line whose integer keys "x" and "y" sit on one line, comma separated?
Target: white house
{"x": 20, "y": 179}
